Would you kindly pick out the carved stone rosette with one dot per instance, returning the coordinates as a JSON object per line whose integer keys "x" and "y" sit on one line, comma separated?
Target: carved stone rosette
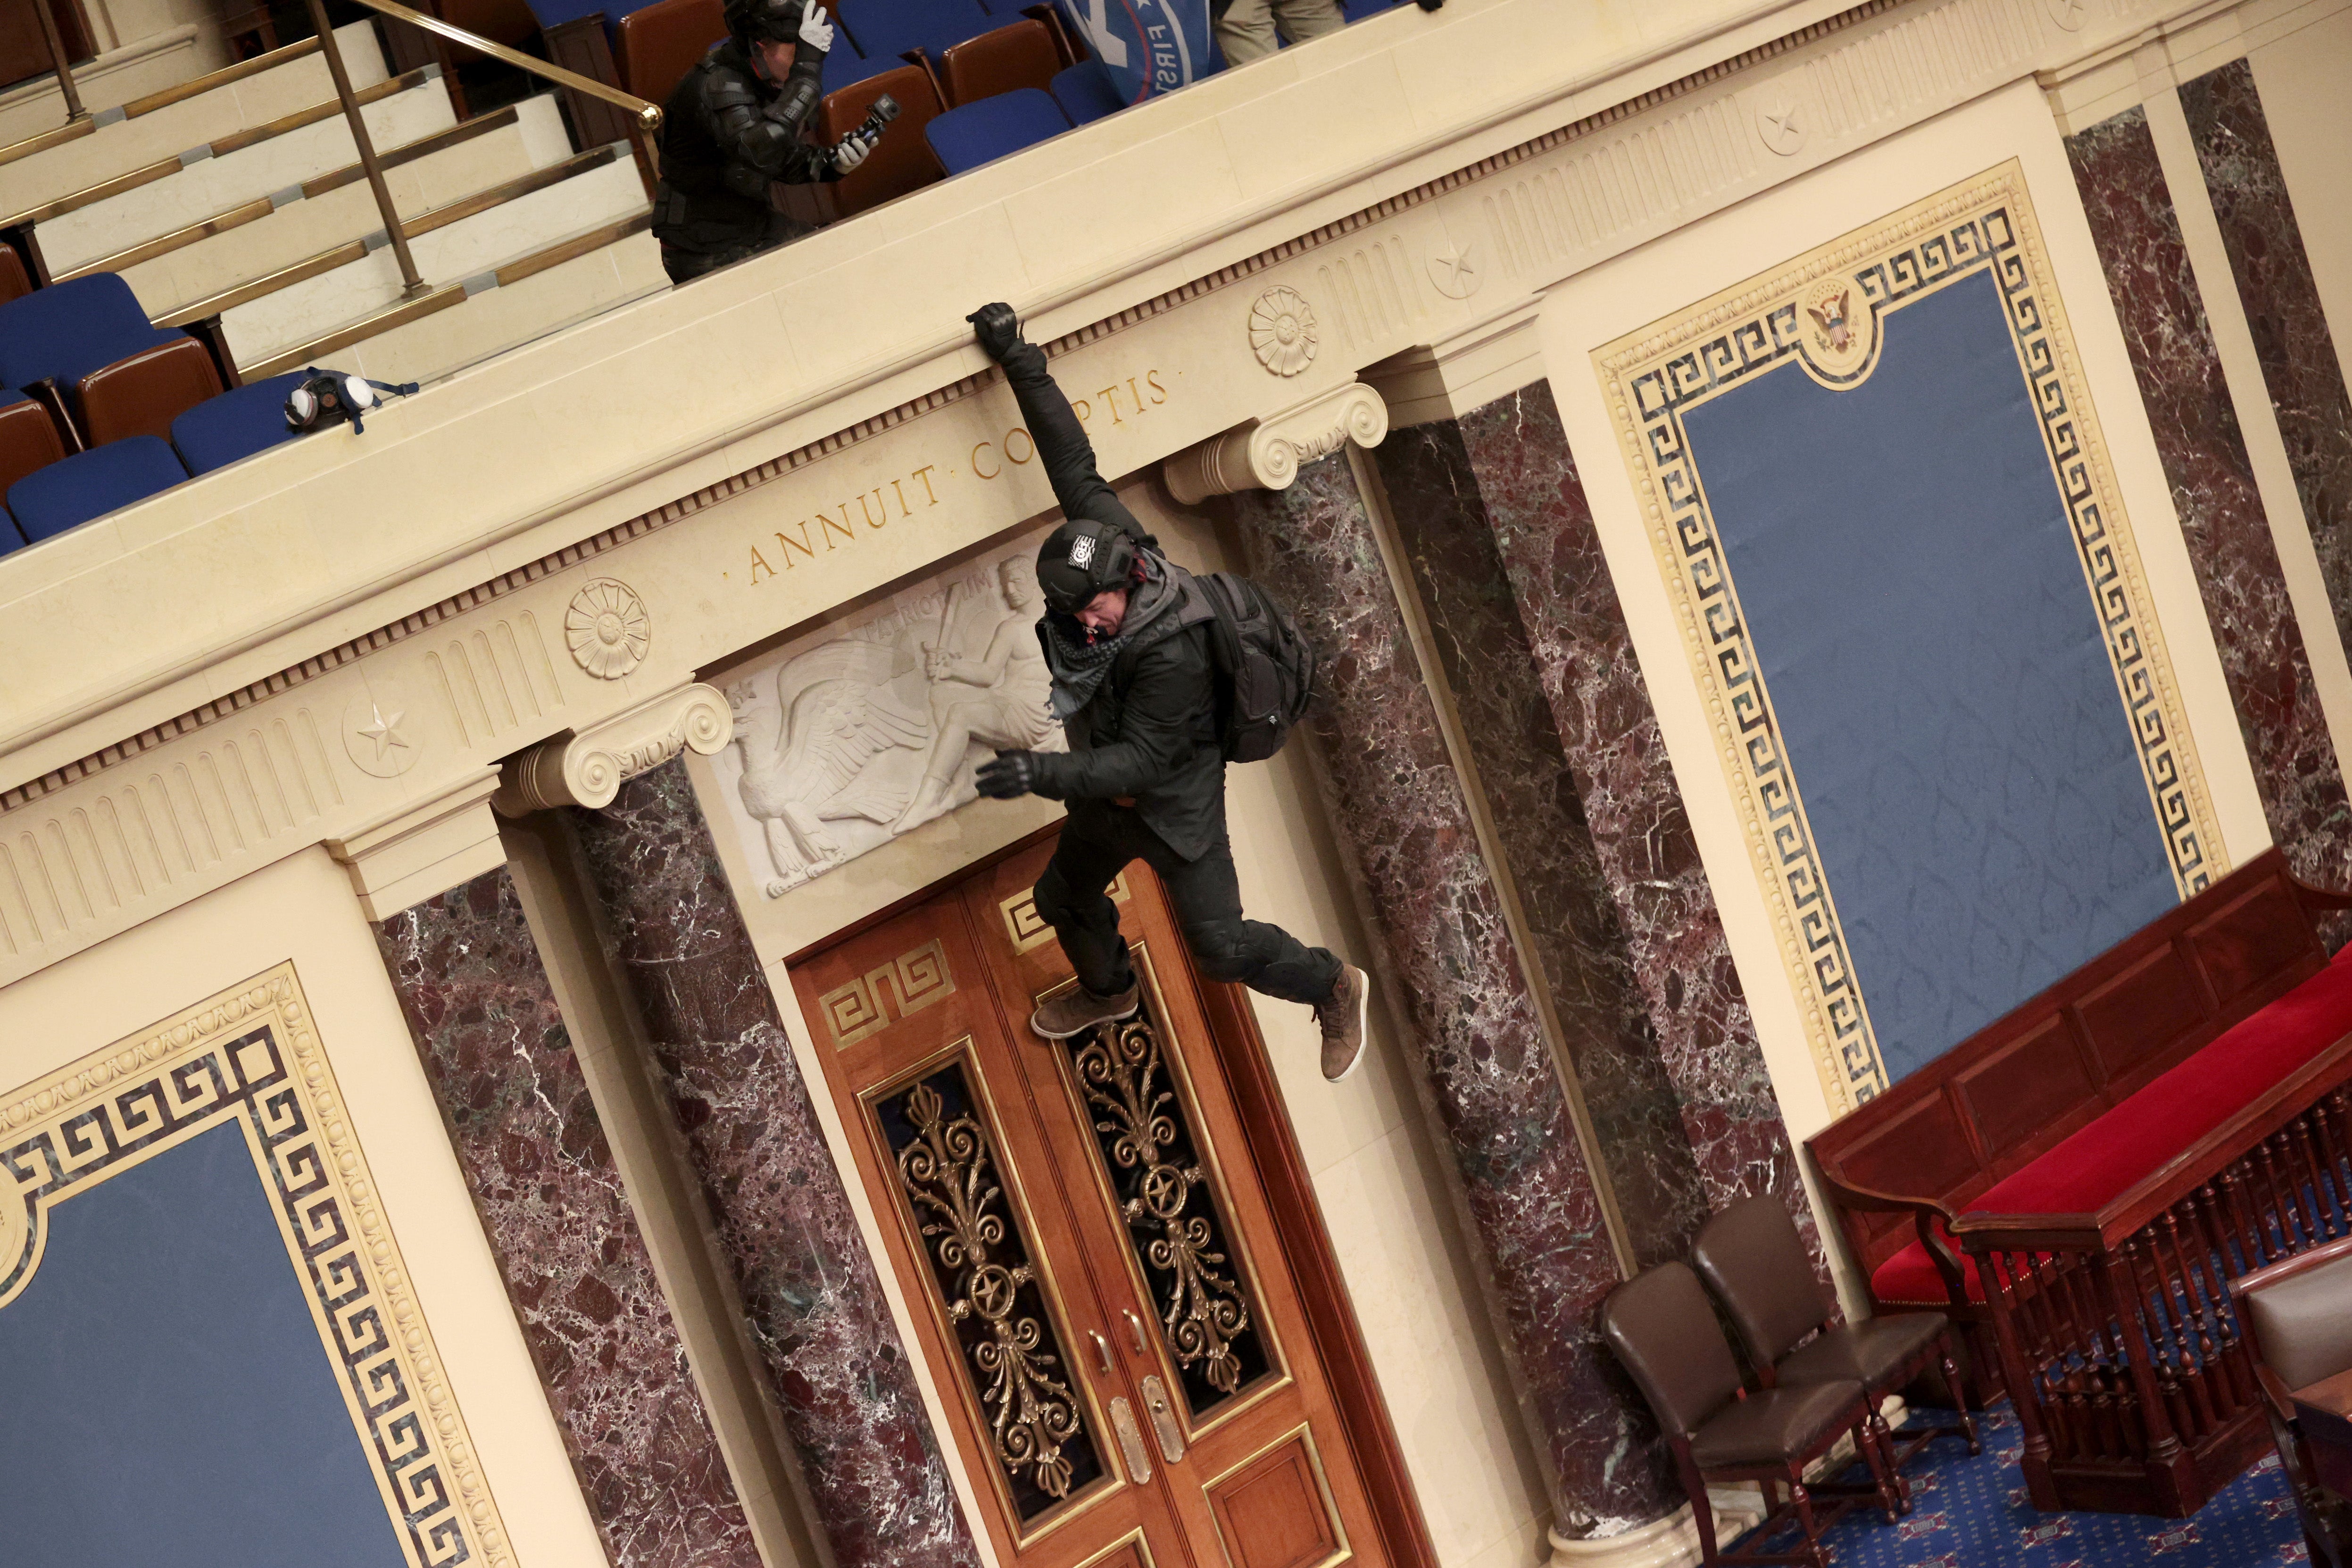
{"x": 588, "y": 768}
{"x": 1264, "y": 454}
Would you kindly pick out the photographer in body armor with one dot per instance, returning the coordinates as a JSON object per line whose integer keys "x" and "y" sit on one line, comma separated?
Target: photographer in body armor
{"x": 735, "y": 124}
{"x": 1127, "y": 635}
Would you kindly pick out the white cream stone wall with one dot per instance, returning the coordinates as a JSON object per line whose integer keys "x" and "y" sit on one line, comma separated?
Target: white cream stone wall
{"x": 2302, "y": 78}
{"x": 302, "y": 909}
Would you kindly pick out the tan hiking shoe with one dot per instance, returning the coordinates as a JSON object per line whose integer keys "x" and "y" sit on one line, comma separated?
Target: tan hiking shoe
{"x": 1342, "y": 1017}
{"x": 1078, "y": 1009}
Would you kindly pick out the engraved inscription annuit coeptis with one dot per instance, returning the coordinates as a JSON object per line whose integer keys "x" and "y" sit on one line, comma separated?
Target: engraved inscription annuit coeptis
{"x": 985, "y": 1276}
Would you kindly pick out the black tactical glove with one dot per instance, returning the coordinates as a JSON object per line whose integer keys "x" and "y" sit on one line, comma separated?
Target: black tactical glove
{"x": 998, "y": 328}
{"x": 1012, "y": 774}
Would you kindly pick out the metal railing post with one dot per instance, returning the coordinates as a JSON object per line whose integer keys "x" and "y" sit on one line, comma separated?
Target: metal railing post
{"x": 74, "y": 110}
{"x": 412, "y": 285}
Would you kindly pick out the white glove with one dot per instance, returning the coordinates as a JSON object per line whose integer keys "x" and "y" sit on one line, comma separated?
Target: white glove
{"x": 849, "y": 152}
{"x": 817, "y": 31}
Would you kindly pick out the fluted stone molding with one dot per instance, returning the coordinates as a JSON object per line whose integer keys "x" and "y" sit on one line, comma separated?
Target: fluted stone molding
{"x": 424, "y": 849}
{"x": 1481, "y": 1064}
{"x": 1264, "y": 454}
{"x": 588, "y": 768}
{"x": 842, "y": 1379}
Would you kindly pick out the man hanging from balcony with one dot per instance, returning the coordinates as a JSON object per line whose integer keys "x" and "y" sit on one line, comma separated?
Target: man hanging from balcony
{"x": 1135, "y": 683}
{"x": 737, "y": 124}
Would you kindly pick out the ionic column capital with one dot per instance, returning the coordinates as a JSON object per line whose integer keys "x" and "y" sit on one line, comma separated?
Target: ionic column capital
{"x": 1264, "y": 454}
{"x": 588, "y": 768}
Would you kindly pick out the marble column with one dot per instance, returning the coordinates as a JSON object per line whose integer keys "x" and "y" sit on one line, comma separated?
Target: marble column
{"x": 1533, "y": 799}
{"x": 847, "y": 1395}
{"x": 533, "y": 1152}
{"x": 1483, "y": 1067}
{"x": 1515, "y": 468}
{"x": 2197, "y": 436}
{"x": 2281, "y": 305}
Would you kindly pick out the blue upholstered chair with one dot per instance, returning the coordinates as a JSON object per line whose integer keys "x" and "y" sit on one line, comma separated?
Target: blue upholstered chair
{"x": 220, "y": 430}
{"x": 1086, "y": 92}
{"x": 92, "y": 484}
{"x": 984, "y": 132}
{"x": 1357, "y": 10}
{"x": 63, "y": 333}
{"x": 9, "y": 538}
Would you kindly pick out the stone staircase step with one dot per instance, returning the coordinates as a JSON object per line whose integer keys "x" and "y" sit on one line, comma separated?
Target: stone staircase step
{"x": 271, "y": 233}
{"x": 70, "y": 157}
{"x": 238, "y": 168}
{"x": 599, "y": 189}
{"x": 460, "y": 324}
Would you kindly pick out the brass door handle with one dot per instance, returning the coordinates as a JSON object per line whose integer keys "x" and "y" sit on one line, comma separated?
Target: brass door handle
{"x": 1163, "y": 1419}
{"x": 1102, "y": 1350}
{"x": 1134, "y": 1329}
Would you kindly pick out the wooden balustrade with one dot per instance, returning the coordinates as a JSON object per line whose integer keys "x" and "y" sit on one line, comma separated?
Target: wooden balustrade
{"x": 2131, "y": 1378}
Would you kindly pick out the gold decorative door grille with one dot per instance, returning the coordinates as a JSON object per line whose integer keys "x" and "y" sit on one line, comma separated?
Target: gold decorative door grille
{"x": 1149, "y": 1153}
{"x": 1014, "y": 1358}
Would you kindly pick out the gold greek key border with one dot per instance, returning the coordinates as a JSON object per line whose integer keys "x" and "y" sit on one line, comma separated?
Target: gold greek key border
{"x": 1650, "y": 377}
{"x": 251, "y": 1055}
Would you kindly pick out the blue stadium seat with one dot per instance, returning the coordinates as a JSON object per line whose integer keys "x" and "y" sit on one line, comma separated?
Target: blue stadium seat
{"x": 984, "y": 132}
{"x": 555, "y": 13}
{"x": 67, "y": 330}
{"x": 220, "y": 430}
{"x": 9, "y": 538}
{"x": 844, "y": 66}
{"x": 1086, "y": 92}
{"x": 886, "y": 30}
{"x": 92, "y": 484}
{"x": 1357, "y": 10}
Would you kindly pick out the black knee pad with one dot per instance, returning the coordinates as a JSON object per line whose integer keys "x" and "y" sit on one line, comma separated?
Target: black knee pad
{"x": 1220, "y": 950}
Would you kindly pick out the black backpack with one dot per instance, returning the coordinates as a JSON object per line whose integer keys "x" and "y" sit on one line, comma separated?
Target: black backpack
{"x": 1266, "y": 664}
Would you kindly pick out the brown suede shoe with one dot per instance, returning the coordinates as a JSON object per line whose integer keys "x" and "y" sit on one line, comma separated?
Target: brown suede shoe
{"x": 1342, "y": 1017}
{"x": 1078, "y": 1009}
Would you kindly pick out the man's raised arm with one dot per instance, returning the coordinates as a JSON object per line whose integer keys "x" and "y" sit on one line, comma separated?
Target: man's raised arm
{"x": 1062, "y": 444}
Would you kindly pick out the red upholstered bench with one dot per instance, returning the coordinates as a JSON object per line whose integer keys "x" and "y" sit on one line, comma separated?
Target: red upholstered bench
{"x": 1901, "y": 1166}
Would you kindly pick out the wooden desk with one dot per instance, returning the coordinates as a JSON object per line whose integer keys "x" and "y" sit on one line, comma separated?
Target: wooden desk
{"x": 2324, "y": 1411}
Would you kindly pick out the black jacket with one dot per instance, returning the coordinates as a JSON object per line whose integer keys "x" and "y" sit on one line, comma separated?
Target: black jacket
{"x": 1151, "y": 729}
{"x": 727, "y": 134}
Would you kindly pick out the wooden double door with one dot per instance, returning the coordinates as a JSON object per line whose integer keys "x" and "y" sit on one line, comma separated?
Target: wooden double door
{"x": 1103, "y": 1295}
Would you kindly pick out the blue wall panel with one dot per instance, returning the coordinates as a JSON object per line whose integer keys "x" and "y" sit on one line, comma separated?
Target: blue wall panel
{"x": 1904, "y": 562}
{"x": 165, "y": 1400}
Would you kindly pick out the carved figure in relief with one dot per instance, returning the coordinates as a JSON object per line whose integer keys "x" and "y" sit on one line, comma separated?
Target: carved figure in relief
{"x": 997, "y": 700}
{"x": 808, "y": 756}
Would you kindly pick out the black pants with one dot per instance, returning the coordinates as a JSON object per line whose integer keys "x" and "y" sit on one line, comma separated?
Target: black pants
{"x": 1101, "y": 839}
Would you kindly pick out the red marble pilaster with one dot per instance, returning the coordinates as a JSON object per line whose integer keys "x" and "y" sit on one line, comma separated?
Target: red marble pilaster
{"x": 533, "y": 1152}
{"x": 2281, "y": 305}
{"x": 816, "y": 1307}
{"x": 1582, "y": 654}
{"x": 1532, "y": 797}
{"x": 2239, "y": 577}
{"x": 1403, "y": 824}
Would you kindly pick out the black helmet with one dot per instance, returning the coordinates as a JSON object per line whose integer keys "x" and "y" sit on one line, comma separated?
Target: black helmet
{"x": 1081, "y": 559}
{"x": 778, "y": 21}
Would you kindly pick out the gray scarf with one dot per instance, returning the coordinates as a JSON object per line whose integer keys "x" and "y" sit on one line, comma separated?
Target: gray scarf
{"x": 1081, "y": 665}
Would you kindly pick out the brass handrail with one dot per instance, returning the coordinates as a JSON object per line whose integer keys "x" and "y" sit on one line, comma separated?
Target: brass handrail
{"x": 648, "y": 116}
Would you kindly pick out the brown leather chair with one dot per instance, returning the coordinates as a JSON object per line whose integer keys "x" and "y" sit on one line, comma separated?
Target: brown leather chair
{"x": 1020, "y": 53}
{"x": 903, "y": 160}
{"x": 29, "y": 438}
{"x": 2296, "y": 1315}
{"x": 143, "y": 394}
{"x": 1663, "y": 1331}
{"x": 1753, "y": 1259}
{"x": 14, "y": 284}
{"x": 655, "y": 46}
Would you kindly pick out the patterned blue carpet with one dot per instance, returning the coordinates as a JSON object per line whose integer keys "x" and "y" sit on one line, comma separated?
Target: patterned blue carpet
{"x": 1972, "y": 1513}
